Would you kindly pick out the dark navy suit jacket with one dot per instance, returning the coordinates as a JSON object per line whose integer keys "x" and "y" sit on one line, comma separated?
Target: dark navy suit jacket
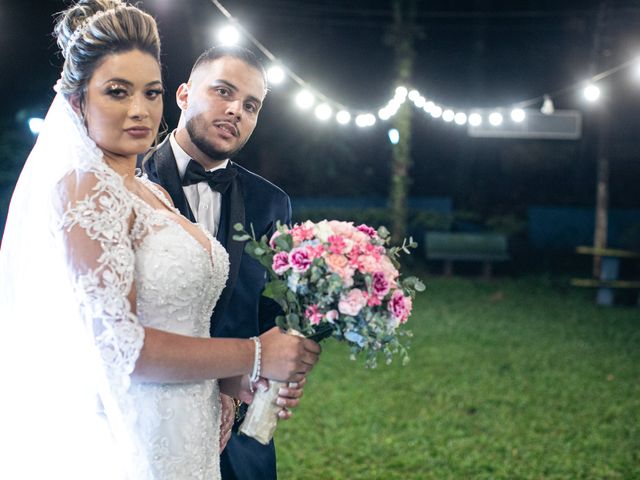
{"x": 241, "y": 311}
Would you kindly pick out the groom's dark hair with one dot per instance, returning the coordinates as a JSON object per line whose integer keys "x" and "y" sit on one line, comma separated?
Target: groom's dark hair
{"x": 234, "y": 51}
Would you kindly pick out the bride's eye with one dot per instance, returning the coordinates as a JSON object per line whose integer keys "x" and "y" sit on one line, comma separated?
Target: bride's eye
{"x": 116, "y": 91}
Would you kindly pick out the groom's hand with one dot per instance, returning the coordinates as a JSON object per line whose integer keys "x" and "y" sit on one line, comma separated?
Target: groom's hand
{"x": 227, "y": 416}
{"x": 289, "y": 397}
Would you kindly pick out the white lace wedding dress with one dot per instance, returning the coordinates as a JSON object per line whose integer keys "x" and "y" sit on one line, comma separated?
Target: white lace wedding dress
{"x": 85, "y": 265}
{"x": 122, "y": 243}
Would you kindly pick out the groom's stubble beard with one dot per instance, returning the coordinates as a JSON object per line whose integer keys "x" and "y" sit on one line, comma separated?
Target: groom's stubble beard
{"x": 199, "y": 139}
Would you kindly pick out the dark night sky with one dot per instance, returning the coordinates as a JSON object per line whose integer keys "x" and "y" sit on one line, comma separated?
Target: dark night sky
{"x": 469, "y": 54}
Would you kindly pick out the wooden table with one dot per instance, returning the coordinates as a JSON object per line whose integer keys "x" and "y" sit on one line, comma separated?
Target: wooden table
{"x": 609, "y": 279}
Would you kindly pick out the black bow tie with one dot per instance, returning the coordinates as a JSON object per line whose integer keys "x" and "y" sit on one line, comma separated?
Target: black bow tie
{"x": 219, "y": 180}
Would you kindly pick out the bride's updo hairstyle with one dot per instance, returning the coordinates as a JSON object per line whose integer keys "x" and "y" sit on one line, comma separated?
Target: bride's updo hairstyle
{"x": 90, "y": 30}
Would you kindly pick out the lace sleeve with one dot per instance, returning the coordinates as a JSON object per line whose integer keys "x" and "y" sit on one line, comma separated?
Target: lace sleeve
{"x": 94, "y": 213}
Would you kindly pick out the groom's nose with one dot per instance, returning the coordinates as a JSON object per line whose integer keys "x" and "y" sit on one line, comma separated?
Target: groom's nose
{"x": 234, "y": 108}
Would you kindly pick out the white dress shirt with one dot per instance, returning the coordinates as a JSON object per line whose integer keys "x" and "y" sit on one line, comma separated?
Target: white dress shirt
{"x": 205, "y": 203}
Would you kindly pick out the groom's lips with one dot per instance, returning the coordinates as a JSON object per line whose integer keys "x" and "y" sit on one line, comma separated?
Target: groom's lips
{"x": 227, "y": 127}
{"x": 138, "y": 132}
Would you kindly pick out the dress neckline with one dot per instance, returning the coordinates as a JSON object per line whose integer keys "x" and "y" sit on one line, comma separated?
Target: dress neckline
{"x": 167, "y": 213}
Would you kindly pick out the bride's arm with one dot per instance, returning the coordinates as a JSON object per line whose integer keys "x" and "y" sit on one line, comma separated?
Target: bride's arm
{"x": 96, "y": 216}
{"x": 169, "y": 357}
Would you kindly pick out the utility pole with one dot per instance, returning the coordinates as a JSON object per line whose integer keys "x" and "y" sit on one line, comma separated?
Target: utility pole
{"x": 402, "y": 36}
{"x": 601, "y": 52}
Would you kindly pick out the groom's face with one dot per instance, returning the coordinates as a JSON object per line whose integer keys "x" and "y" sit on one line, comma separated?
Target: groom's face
{"x": 221, "y": 104}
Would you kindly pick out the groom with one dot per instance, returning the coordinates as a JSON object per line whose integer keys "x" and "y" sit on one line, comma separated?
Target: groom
{"x": 220, "y": 105}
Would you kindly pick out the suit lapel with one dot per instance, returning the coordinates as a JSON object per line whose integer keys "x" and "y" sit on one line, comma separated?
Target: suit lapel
{"x": 232, "y": 213}
{"x": 162, "y": 168}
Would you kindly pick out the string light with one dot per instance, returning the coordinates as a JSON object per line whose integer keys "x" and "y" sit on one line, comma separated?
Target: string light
{"x": 475, "y": 119}
{"x": 460, "y": 118}
{"x": 495, "y": 119}
{"x": 343, "y": 117}
{"x": 35, "y": 125}
{"x": 323, "y": 112}
{"x": 305, "y": 99}
{"x": 436, "y": 111}
{"x": 365, "y": 120}
{"x": 275, "y": 75}
{"x": 228, "y": 35}
{"x": 518, "y": 115}
{"x": 591, "y": 93}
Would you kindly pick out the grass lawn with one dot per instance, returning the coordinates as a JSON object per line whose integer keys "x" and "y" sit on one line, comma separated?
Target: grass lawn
{"x": 513, "y": 379}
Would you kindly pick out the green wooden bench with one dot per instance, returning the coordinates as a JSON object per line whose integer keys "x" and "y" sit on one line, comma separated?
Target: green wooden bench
{"x": 452, "y": 247}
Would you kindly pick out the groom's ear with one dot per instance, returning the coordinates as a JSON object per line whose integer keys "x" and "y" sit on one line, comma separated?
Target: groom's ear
{"x": 182, "y": 96}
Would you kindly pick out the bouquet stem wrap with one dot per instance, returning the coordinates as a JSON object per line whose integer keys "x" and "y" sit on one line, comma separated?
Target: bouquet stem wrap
{"x": 262, "y": 416}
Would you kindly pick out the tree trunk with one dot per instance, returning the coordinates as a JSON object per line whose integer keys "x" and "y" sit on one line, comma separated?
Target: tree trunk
{"x": 402, "y": 37}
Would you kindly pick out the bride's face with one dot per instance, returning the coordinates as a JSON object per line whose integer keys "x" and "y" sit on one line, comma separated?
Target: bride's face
{"x": 123, "y": 103}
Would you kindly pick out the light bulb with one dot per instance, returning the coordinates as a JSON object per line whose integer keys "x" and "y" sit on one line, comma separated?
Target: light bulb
{"x": 305, "y": 99}
{"x": 475, "y": 119}
{"x": 323, "y": 111}
{"x": 228, "y": 35}
{"x": 591, "y": 93}
{"x": 343, "y": 117}
{"x": 460, "y": 118}
{"x": 448, "y": 115}
{"x": 275, "y": 74}
{"x": 495, "y": 119}
{"x": 518, "y": 115}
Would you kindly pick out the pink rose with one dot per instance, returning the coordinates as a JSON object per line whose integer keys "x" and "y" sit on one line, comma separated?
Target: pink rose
{"x": 379, "y": 285}
{"x": 315, "y": 251}
{"x": 343, "y": 229}
{"x": 280, "y": 263}
{"x": 300, "y": 259}
{"x": 336, "y": 244}
{"x": 400, "y": 306}
{"x": 313, "y": 314}
{"x": 352, "y": 302}
{"x": 340, "y": 265}
{"x": 303, "y": 232}
{"x": 389, "y": 270}
{"x": 272, "y": 240}
{"x": 373, "y": 301}
{"x": 367, "y": 229}
{"x": 368, "y": 264}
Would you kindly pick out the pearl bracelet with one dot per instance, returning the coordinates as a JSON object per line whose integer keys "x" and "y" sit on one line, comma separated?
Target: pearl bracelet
{"x": 257, "y": 361}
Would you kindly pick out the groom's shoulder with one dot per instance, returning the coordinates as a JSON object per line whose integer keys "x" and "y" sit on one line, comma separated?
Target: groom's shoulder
{"x": 256, "y": 183}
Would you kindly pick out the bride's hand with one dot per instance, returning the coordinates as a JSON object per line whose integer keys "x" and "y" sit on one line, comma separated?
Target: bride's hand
{"x": 287, "y": 358}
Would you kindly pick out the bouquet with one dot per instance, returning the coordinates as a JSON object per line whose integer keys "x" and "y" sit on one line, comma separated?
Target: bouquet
{"x": 332, "y": 278}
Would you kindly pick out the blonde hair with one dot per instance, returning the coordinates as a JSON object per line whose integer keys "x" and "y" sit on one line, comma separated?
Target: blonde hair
{"x": 90, "y": 30}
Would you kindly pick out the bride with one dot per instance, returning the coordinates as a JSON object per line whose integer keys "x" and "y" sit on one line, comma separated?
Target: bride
{"x": 90, "y": 244}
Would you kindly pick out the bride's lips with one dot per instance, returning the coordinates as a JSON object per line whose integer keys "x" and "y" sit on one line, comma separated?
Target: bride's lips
{"x": 138, "y": 132}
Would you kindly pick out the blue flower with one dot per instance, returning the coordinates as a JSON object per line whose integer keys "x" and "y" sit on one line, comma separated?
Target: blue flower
{"x": 354, "y": 337}
{"x": 292, "y": 281}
